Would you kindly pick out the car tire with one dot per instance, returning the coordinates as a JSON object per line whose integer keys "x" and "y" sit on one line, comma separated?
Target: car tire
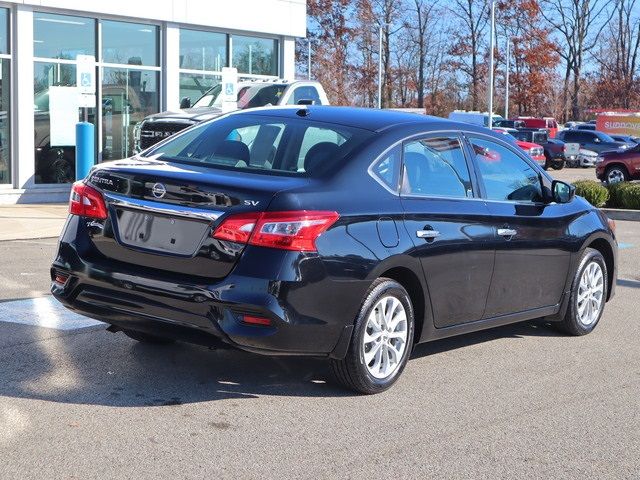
{"x": 146, "y": 338}
{"x": 368, "y": 366}
{"x": 585, "y": 309}
{"x": 557, "y": 165}
{"x": 616, "y": 174}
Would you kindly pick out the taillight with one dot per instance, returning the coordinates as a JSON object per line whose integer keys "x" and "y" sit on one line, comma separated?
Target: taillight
{"x": 295, "y": 230}
{"x": 87, "y": 202}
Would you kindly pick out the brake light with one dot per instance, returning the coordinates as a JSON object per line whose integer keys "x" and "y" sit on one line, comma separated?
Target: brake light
{"x": 87, "y": 202}
{"x": 294, "y": 230}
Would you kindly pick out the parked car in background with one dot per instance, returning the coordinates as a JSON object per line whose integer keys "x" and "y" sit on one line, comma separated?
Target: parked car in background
{"x": 554, "y": 149}
{"x": 619, "y": 166}
{"x": 367, "y": 232}
{"x": 548, "y": 123}
{"x": 591, "y": 140}
{"x": 535, "y": 151}
{"x": 626, "y": 138}
{"x": 571, "y": 125}
{"x": 586, "y": 158}
{"x": 250, "y": 95}
{"x": 474, "y": 118}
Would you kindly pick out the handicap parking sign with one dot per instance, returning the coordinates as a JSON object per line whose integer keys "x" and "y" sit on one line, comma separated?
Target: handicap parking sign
{"x": 86, "y": 79}
{"x": 86, "y": 74}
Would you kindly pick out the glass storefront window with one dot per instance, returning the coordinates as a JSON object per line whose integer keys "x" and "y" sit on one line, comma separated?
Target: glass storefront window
{"x": 202, "y": 50}
{"x": 5, "y": 123}
{"x": 55, "y": 149}
{"x": 129, "y": 43}
{"x": 194, "y": 86}
{"x": 255, "y": 56}
{"x": 5, "y": 99}
{"x": 128, "y": 95}
{"x": 62, "y": 36}
{"x": 4, "y": 30}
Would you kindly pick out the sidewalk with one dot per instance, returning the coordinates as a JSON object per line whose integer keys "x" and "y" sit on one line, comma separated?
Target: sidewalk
{"x": 20, "y": 222}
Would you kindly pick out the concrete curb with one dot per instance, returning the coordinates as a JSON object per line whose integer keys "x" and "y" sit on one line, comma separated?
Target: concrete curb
{"x": 622, "y": 214}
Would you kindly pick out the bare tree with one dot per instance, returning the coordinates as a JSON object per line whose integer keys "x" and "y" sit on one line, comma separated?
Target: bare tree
{"x": 619, "y": 57}
{"x": 579, "y": 24}
{"x": 421, "y": 28}
{"x": 468, "y": 35}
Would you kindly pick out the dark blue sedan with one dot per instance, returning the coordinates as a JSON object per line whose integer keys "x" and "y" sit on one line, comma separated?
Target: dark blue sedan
{"x": 344, "y": 233}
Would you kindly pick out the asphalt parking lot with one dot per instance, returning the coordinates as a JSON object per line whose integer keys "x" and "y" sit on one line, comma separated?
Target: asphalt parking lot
{"x": 518, "y": 401}
{"x": 573, "y": 174}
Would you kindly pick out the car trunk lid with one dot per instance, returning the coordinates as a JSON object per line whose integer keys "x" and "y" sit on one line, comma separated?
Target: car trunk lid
{"x": 161, "y": 214}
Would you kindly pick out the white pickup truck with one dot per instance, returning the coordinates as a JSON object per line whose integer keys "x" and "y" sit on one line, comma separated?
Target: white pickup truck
{"x": 251, "y": 94}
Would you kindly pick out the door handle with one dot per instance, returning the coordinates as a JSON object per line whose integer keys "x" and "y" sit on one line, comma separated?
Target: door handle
{"x": 428, "y": 234}
{"x": 507, "y": 232}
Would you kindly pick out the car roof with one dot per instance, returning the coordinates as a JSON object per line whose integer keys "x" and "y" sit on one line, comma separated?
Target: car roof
{"x": 372, "y": 119}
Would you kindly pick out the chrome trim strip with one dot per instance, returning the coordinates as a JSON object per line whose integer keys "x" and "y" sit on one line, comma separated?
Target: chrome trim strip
{"x": 163, "y": 208}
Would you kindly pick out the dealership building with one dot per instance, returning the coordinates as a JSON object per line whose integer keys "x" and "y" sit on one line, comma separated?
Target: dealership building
{"x": 148, "y": 56}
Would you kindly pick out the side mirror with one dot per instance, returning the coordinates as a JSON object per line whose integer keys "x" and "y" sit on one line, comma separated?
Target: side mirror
{"x": 562, "y": 192}
{"x": 185, "y": 103}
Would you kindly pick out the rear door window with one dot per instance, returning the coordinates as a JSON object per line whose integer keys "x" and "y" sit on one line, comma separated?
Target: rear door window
{"x": 436, "y": 166}
{"x": 387, "y": 169}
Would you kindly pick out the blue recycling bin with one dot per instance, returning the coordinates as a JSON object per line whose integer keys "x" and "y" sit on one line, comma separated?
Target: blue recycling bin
{"x": 85, "y": 148}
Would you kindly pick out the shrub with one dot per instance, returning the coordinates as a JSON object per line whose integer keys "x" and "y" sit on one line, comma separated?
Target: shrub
{"x": 593, "y": 192}
{"x": 616, "y": 191}
{"x": 631, "y": 196}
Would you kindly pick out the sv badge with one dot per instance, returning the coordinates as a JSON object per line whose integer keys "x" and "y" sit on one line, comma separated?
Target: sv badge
{"x": 251, "y": 203}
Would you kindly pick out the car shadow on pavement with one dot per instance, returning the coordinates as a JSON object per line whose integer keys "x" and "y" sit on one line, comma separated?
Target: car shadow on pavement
{"x": 536, "y": 328}
{"x": 95, "y": 367}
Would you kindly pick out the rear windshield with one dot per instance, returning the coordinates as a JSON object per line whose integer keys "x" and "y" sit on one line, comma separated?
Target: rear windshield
{"x": 279, "y": 145}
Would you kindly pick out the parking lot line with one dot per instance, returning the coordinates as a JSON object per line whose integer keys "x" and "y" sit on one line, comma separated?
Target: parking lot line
{"x": 43, "y": 312}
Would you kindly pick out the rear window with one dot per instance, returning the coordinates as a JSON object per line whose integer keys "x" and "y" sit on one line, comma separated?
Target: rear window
{"x": 276, "y": 145}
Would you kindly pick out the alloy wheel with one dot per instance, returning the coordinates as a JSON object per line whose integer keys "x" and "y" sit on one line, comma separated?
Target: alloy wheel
{"x": 615, "y": 175}
{"x": 385, "y": 337}
{"x": 590, "y": 294}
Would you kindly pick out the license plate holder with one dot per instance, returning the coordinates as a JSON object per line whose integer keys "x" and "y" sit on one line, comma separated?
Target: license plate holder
{"x": 160, "y": 233}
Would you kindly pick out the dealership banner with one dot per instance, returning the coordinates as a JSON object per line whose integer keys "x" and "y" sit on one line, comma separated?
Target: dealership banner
{"x": 619, "y": 124}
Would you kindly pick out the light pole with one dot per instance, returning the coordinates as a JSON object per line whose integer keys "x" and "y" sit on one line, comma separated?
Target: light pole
{"x": 380, "y": 66}
{"x": 491, "y": 48}
{"x": 309, "y": 58}
{"x": 506, "y": 87}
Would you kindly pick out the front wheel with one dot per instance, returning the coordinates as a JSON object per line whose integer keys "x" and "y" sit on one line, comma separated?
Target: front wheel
{"x": 381, "y": 342}
{"x": 557, "y": 165}
{"x": 588, "y": 294}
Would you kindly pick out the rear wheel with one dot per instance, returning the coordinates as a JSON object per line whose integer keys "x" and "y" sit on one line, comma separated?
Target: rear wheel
{"x": 146, "y": 338}
{"x": 588, "y": 294}
{"x": 557, "y": 165}
{"x": 616, "y": 174}
{"x": 381, "y": 342}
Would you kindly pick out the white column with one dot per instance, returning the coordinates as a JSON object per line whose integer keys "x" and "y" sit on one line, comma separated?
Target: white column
{"x": 23, "y": 144}
{"x": 288, "y": 60}
{"x": 171, "y": 62}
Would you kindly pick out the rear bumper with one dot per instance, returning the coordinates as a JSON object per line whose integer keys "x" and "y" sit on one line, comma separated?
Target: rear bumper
{"x": 311, "y": 315}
